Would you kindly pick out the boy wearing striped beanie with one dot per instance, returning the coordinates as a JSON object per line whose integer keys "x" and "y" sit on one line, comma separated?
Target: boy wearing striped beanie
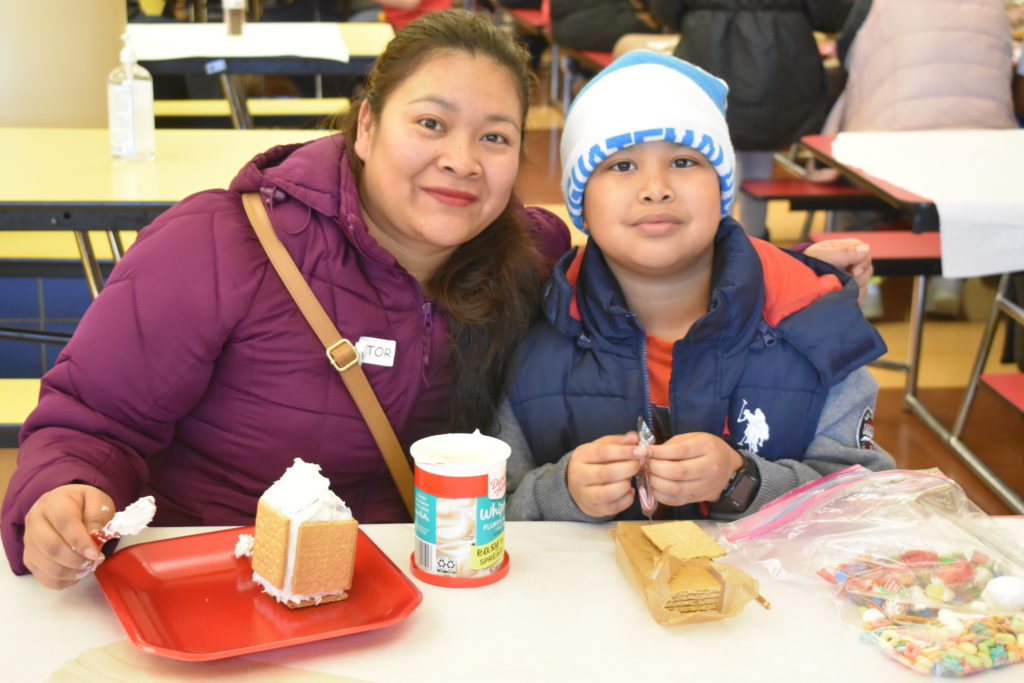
{"x": 747, "y": 361}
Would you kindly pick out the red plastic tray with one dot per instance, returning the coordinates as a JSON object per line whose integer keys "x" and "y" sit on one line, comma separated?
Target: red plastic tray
{"x": 191, "y": 598}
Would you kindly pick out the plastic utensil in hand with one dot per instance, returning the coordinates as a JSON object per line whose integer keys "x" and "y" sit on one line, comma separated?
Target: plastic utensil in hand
{"x": 643, "y": 486}
{"x": 127, "y": 522}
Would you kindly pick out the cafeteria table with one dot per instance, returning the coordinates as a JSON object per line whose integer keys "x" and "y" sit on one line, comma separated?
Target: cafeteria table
{"x": 565, "y": 612}
{"x": 64, "y": 179}
{"x": 267, "y": 48}
{"x": 966, "y": 185}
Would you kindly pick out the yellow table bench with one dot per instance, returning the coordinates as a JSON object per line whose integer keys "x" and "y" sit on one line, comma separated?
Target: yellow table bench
{"x": 286, "y": 111}
{"x": 18, "y": 397}
{"x": 38, "y": 245}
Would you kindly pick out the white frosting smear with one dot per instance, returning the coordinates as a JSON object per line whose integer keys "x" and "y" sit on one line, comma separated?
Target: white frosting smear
{"x": 243, "y": 548}
{"x": 133, "y": 518}
{"x": 129, "y": 521}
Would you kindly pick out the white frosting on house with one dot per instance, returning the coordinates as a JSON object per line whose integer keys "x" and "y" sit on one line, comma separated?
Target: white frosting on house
{"x": 303, "y": 494}
{"x": 286, "y": 596}
{"x": 244, "y": 545}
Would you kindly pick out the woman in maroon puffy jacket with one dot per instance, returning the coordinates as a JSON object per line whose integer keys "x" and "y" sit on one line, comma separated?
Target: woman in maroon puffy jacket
{"x": 194, "y": 378}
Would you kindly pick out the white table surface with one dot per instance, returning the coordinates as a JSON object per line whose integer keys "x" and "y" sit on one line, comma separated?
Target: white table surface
{"x": 300, "y": 39}
{"x": 311, "y": 40}
{"x": 564, "y": 612}
{"x": 974, "y": 178}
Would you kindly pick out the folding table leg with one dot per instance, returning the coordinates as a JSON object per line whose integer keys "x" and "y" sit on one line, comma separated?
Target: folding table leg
{"x": 234, "y": 92}
{"x": 555, "y": 71}
{"x": 916, "y": 328}
{"x": 90, "y": 266}
{"x": 952, "y": 438}
{"x": 566, "y": 76}
{"x": 1002, "y": 305}
{"x": 116, "y": 246}
{"x": 805, "y": 231}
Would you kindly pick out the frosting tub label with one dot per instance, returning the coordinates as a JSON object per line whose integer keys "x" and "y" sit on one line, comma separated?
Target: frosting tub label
{"x": 460, "y": 504}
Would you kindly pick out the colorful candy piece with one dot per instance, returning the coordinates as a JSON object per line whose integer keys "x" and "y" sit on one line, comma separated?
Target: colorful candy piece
{"x": 955, "y": 572}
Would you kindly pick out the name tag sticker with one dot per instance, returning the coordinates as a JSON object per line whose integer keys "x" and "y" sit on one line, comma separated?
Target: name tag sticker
{"x": 373, "y": 351}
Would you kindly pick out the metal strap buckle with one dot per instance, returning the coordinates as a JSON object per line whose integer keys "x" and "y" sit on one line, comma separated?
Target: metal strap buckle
{"x": 330, "y": 356}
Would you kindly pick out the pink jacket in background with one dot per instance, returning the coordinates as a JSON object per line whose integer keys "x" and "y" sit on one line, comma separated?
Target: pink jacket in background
{"x": 194, "y": 377}
{"x": 926, "y": 65}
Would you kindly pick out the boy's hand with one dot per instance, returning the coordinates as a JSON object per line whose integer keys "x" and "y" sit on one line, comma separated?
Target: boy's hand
{"x": 600, "y": 474}
{"x": 57, "y": 527}
{"x": 692, "y": 467}
{"x": 848, "y": 254}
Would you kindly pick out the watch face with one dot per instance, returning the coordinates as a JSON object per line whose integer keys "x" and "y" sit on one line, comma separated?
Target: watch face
{"x": 744, "y": 491}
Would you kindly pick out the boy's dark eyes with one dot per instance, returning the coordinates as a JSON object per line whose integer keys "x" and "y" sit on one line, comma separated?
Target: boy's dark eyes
{"x": 623, "y": 166}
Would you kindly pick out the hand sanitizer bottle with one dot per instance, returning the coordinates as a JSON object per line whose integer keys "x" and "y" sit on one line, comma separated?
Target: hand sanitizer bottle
{"x": 130, "y": 108}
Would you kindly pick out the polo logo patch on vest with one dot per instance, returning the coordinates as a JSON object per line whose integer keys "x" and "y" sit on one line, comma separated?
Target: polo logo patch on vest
{"x": 866, "y": 429}
{"x": 756, "y": 432}
{"x": 373, "y": 351}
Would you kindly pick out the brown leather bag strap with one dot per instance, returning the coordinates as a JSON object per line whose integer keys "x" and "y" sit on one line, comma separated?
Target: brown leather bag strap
{"x": 341, "y": 353}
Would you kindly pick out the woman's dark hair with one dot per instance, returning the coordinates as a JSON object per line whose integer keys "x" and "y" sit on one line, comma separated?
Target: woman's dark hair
{"x": 490, "y": 286}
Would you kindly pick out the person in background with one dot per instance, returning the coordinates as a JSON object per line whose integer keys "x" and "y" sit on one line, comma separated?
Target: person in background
{"x": 1013, "y": 350}
{"x": 1018, "y": 90}
{"x": 597, "y": 24}
{"x": 921, "y": 65}
{"x": 767, "y": 52}
{"x": 323, "y": 10}
{"x": 317, "y": 10}
{"x": 399, "y": 13}
{"x": 746, "y": 361}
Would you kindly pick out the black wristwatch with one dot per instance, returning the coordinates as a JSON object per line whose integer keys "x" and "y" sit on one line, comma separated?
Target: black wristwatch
{"x": 741, "y": 488}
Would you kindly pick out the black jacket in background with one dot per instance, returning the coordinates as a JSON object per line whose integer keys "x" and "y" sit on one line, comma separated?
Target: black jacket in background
{"x": 593, "y": 24}
{"x": 765, "y": 51}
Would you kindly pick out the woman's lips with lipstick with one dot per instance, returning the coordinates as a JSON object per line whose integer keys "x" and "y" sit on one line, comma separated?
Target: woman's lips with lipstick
{"x": 451, "y": 197}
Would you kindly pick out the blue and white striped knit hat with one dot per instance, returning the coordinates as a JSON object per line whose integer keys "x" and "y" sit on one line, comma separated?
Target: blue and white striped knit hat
{"x": 644, "y": 96}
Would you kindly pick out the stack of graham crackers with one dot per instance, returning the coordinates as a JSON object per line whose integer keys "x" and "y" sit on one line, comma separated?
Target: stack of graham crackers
{"x": 693, "y": 587}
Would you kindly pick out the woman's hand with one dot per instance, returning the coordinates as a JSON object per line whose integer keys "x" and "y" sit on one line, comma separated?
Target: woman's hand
{"x": 848, "y": 254}
{"x": 692, "y": 467}
{"x": 600, "y": 474}
{"x": 57, "y": 545}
